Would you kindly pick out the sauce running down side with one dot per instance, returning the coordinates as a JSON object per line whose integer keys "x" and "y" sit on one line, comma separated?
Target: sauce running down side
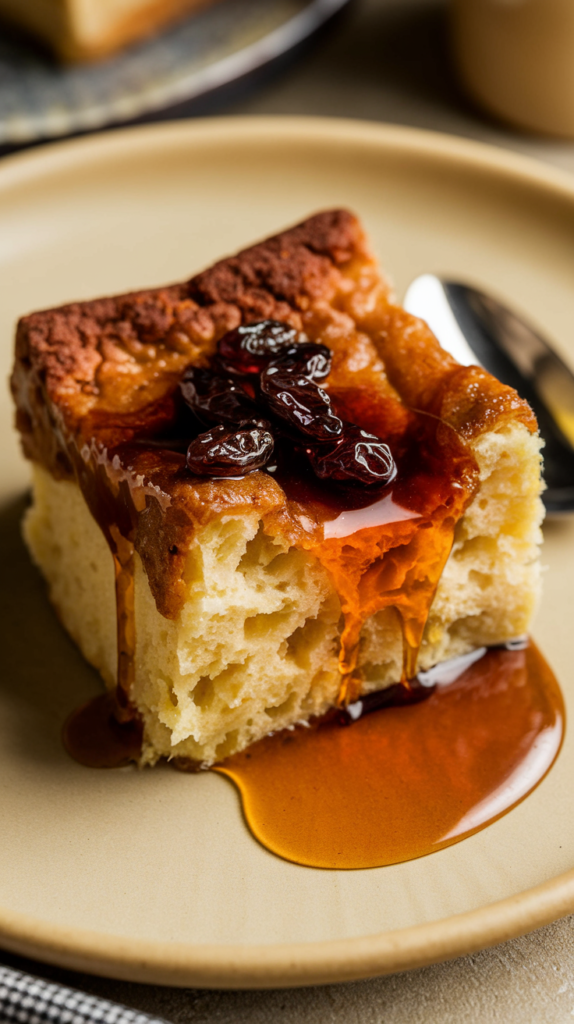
{"x": 405, "y": 781}
{"x": 389, "y": 549}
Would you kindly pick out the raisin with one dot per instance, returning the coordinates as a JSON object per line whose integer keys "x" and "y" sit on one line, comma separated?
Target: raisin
{"x": 308, "y": 358}
{"x": 251, "y": 348}
{"x": 215, "y": 399}
{"x": 280, "y": 368}
{"x": 356, "y": 457}
{"x": 301, "y": 403}
{"x": 224, "y": 452}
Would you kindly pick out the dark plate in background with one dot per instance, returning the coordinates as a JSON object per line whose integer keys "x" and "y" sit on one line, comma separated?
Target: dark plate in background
{"x": 230, "y": 39}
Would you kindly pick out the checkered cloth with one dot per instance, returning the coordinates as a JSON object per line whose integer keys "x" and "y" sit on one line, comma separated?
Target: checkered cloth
{"x": 28, "y": 1000}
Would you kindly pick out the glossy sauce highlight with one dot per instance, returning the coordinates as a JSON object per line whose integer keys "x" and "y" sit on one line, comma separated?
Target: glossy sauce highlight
{"x": 405, "y": 781}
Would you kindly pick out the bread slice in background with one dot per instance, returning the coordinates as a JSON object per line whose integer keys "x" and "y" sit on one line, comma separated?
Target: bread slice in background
{"x": 83, "y": 30}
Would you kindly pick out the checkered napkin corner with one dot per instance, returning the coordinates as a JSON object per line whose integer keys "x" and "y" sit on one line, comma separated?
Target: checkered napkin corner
{"x": 28, "y": 1000}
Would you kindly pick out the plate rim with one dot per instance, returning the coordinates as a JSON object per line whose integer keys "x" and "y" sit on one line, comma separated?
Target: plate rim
{"x": 303, "y": 963}
{"x": 288, "y": 965}
{"x": 55, "y": 154}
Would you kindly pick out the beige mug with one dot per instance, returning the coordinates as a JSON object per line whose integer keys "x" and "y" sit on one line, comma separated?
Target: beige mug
{"x": 516, "y": 58}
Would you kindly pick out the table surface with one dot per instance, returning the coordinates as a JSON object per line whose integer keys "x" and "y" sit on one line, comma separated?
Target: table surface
{"x": 384, "y": 60}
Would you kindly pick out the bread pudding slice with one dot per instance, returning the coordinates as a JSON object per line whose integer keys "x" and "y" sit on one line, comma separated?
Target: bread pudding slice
{"x": 239, "y": 601}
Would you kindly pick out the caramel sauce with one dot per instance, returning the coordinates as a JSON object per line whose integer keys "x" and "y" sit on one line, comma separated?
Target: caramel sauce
{"x": 389, "y": 549}
{"x": 95, "y": 736}
{"x": 405, "y": 781}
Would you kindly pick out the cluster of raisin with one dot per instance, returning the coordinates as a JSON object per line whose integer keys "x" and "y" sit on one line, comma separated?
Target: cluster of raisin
{"x": 262, "y": 387}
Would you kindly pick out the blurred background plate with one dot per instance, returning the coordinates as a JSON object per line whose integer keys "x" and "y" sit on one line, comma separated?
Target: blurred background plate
{"x": 233, "y": 38}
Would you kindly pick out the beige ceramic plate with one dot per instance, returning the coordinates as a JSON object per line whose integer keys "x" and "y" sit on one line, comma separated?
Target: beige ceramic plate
{"x": 152, "y": 875}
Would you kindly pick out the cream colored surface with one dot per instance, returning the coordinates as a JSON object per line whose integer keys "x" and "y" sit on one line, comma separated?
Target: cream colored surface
{"x": 254, "y": 649}
{"x": 152, "y": 875}
{"x": 516, "y": 58}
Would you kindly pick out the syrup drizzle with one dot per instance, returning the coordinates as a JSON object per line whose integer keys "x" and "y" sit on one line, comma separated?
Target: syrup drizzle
{"x": 390, "y": 552}
{"x": 95, "y": 736}
{"x": 410, "y": 778}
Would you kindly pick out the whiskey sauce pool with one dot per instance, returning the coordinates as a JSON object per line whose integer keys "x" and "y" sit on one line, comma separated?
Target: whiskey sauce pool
{"x": 405, "y": 781}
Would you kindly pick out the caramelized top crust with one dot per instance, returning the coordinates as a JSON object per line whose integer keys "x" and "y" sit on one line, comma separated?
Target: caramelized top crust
{"x": 93, "y": 375}
{"x": 107, "y": 365}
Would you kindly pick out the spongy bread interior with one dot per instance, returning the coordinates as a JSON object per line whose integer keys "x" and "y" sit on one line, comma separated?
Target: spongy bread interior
{"x": 254, "y": 648}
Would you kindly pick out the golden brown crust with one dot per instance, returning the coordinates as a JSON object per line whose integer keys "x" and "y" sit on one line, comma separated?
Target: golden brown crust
{"x": 101, "y": 373}
{"x": 428, "y": 378}
{"x": 105, "y": 364}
